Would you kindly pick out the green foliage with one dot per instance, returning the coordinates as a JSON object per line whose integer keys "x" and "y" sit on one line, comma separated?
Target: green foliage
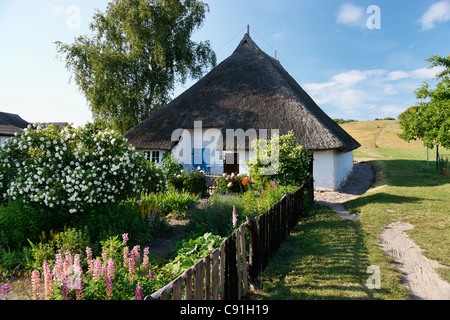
{"x": 217, "y": 217}
{"x": 281, "y": 158}
{"x": 171, "y": 165}
{"x": 177, "y": 203}
{"x": 138, "y": 51}
{"x": 72, "y": 240}
{"x": 19, "y": 222}
{"x": 268, "y": 194}
{"x": 429, "y": 119}
{"x": 193, "y": 182}
{"x": 193, "y": 250}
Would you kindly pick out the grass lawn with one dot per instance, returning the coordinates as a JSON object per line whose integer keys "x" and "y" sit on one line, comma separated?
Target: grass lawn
{"x": 327, "y": 257}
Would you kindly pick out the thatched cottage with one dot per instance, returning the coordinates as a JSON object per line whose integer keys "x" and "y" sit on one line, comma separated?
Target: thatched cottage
{"x": 10, "y": 123}
{"x": 248, "y": 95}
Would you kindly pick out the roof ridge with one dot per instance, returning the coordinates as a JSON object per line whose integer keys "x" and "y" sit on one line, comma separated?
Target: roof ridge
{"x": 247, "y": 39}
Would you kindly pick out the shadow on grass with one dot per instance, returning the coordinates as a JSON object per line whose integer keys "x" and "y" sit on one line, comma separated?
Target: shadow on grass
{"x": 381, "y": 198}
{"x": 325, "y": 258}
{"x": 412, "y": 173}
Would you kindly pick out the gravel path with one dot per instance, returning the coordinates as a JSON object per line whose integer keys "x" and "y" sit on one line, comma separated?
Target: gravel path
{"x": 360, "y": 179}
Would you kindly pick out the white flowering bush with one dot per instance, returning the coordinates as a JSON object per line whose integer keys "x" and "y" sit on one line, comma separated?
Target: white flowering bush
{"x": 74, "y": 168}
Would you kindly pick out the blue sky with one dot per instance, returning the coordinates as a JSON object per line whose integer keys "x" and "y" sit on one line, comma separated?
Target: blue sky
{"x": 351, "y": 69}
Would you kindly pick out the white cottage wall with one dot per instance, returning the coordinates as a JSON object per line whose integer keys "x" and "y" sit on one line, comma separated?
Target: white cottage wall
{"x": 343, "y": 164}
{"x": 331, "y": 168}
{"x": 323, "y": 170}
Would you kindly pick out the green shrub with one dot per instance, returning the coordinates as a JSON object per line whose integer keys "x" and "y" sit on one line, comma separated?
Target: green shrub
{"x": 192, "y": 182}
{"x": 281, "y": 158}
{"x": 177, "y": 203}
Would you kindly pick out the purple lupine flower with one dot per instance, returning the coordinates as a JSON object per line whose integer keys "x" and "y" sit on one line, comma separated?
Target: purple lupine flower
{"x": 5, "y": 289}
{"x": 65, "y": 292}
{"x": 138, "y": 293}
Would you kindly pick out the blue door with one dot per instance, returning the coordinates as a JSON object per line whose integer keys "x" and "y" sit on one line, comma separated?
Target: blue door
{"x": 201, "y": 158}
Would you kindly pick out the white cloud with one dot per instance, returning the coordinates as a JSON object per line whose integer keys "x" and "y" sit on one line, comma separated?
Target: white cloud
{"x": 421, "y": 73}
{"x": 368, "y": 94}
{"x": 396, "y": 75}
{"x": 351, "y": 15}
{"x": 438, "y": 12}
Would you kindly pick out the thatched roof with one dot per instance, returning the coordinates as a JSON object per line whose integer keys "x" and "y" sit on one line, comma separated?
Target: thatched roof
{"x": 247, "y": 90}
{"x": 11, "y": 123}
{"x": 13, "y": 120}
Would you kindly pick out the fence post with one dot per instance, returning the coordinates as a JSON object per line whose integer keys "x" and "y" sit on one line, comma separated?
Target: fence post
{"x": 254, "y": 263}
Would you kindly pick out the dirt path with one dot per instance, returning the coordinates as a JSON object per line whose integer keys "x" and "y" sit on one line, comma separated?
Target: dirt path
{"x": 420, "y": 279}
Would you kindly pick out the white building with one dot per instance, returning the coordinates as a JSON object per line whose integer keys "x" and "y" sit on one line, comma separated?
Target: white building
{"x": 248, "y": 95}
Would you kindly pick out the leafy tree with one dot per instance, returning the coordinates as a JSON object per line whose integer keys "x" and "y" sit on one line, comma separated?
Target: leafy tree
{"x": 137, "y": 52}
{"x": 429, "y": 119}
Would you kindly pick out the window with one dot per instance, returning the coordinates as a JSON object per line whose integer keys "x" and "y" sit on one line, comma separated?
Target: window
{"x": 152, "y": 156}
{"x": 155, "y": 156}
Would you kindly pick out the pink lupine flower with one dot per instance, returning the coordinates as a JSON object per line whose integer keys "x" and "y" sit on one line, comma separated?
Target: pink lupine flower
{"x": 132, "y": 266}
{"x": 58, "y": 268}
{"x": 137, "y": 256}
{"x": 125, "y": 238}
{"x": 35, "y": 284}
{"x": 145, "y": 262}
{"x": 48, "y": 281}
{"x": 234, "y": 217}
{"x": 111, "y": 268}
{"x": 97, "y": 269}
{"x": 125, "y": 257}
{"x": 89, "y": 260}
{"x": 67, "y": 265}
{"x": 109, "y": 287}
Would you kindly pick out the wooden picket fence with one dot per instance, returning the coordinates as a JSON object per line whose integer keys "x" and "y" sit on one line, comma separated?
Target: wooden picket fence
{"x": 229, "y": 271}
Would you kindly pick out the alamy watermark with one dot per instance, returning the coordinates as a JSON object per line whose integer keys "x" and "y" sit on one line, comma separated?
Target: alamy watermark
{"x": 374, "y": 21}
{"x": 73, "y": 13}
{"x": 374, "y": 281}
{"x": 211, "y": 140}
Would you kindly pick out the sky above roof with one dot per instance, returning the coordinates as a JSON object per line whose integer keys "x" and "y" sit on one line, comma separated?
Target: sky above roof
{"x": 357, "y": 59}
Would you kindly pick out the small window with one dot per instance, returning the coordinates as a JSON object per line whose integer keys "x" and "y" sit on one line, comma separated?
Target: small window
{"x": 155, "y": 156}
{"x": 148, "y": 155}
